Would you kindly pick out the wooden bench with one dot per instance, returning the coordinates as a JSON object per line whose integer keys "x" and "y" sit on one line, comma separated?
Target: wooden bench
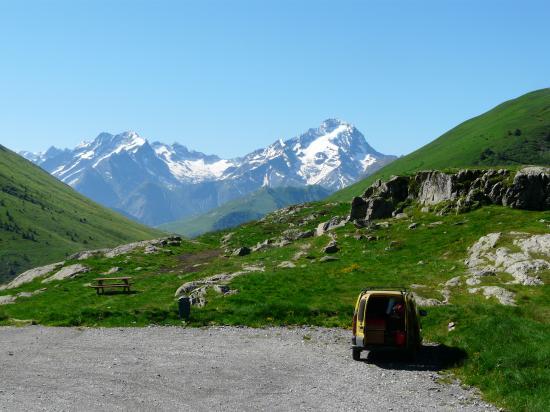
{"x": 112, "y": 283}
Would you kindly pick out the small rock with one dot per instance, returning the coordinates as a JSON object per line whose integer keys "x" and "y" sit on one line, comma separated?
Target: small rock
{"x": 332, "y": 247}
{"x": 112, "y": 270}
{"x": 451, "y": 326}
{"x": 7, "y": 299}
{"x": 328, "y": 259}
{"x": 286, "y": 264}
{"x": 222, "y": 289}
{"x": 453, "y": 282}
{"x": 413, "y": 226}
{"x": 401, "y": 216}
{"x": 242, "y": 251}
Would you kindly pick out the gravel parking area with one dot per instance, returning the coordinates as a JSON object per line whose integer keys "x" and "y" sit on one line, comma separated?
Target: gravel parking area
{"x": 225, "y": 368}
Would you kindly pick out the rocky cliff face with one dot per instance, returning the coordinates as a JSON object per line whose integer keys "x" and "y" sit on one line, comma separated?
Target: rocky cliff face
{"x": 528, "y": 189}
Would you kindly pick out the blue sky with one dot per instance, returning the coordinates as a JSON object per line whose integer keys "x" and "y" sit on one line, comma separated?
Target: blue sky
{"x": 227, "y": 77}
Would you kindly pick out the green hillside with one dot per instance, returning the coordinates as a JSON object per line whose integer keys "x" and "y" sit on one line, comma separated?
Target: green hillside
{"x": 248, "y": 208}
{"x": 42, "y": 220}
{"x": 515, "y": 132}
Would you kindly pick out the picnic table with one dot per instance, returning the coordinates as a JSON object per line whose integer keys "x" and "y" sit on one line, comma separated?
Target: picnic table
{"x": 112, "y": 283}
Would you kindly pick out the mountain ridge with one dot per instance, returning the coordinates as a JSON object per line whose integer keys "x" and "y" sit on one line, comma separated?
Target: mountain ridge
{"x": 127, "y": 172}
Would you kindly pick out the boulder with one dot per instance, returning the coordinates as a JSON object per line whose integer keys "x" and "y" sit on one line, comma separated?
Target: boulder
{"x": 435, "y": 187}
{"x": 328, "y": 259}
{"x": 68, "y": 272}
{"x": 334, "y": 223}
{"x": 379, "y": 208}
{"x": 87, "y": 254}
{"x": 222, "y": 289}
{"x": 359, "y": 208}
{"x": 530, "y": 190}
{"x": 151, "y": 249}
{"x": 242, "y": 251}
{"x": 504, "y": 296}
{"x": 332, "y": 247}
{"x": 7, "y": 299}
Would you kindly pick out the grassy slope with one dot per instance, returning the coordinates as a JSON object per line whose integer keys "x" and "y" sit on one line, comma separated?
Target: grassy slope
{"x": 508, "y": 347}
{"x": 42, "y": 219}
{"x": 466, "y": 145}
{"x": 245, "y": 209}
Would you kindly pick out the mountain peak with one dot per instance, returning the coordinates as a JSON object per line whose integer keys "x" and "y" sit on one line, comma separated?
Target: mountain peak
{"x": 330, "y": 125}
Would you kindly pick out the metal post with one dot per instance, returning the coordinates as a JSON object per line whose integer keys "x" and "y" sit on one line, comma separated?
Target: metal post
{"x": 184, "y": 307}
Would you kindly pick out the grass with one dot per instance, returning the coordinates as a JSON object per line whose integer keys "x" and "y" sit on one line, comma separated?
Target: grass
{"x": 514, "y": 133}
{"x": 508, "y": 347}
{"x": 43, "y": 220}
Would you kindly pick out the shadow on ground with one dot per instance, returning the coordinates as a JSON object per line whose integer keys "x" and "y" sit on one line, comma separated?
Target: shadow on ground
{"x": 428, "y": 358}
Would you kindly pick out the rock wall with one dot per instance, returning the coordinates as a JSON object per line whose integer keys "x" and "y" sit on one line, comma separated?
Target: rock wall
{"x": 529, "y": 189}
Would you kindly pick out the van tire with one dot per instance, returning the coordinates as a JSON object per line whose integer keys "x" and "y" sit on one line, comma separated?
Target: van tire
{"x": 356, "y": 354}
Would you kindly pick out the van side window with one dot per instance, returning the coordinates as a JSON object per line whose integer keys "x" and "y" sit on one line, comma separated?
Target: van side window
{"x": 361, "y": 310}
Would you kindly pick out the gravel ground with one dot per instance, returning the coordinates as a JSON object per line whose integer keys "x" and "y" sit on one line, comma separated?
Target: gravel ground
{"x": 226, "y": 368}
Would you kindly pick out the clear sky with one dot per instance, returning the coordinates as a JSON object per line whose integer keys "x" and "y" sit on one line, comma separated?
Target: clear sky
{"x": 227, "y": 77}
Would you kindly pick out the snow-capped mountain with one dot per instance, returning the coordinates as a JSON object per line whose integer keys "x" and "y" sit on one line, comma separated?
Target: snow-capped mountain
{"x": 156, "y": 183}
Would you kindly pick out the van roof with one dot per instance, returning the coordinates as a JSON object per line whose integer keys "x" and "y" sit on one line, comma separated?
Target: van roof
{"x": 384, "y": 292}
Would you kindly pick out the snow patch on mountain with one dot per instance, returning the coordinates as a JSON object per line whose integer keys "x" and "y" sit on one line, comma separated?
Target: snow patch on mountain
{"x": 156, "y": 182}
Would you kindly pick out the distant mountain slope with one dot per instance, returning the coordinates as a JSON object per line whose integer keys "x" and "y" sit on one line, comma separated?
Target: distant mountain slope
{"x": 157, "y": 183}
{"x": 251, "y": 207}
{"x": 515, "y": 132}
{"x": 42, "y": 219}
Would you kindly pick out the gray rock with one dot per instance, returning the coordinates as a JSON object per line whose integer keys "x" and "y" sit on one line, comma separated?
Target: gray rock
{"x": 530, "y": 190}
{"x": 334, "y": 223}
{"x": 286, "y": 264}
{"x": 328, "y": 259}
{"x": 113, "y": 270}
{"x": 222, "y": 289}
{"x": 151, "y": 249}
{"x": 32, "y": 274}
{"x": 68, "y": 272}
{"x": 31, "y": 294}
{"x": 7, "y": 299}
{"x": 87, "y": 254}
{"x": 413, "y": 225}
{"x": 242, "y": 251}
{"x": 453, "y": 282}
{"x": 504, "y": 296}
{"x": 332, "y": 247}
{"x": 359, "y": 208}
{"x": 426, "y": 302}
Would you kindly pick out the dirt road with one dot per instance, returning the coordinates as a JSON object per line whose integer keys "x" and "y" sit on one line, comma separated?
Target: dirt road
{"x": 161, "y": 368}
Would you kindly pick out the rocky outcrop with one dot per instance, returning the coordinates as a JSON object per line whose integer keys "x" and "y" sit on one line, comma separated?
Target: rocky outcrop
{"x": 68, "y": 272}
{"x": 462, "y": 191}
{"x": 196, "y": 290}
{"x": 486, "y": 259}
{"x": 505, "y": 297}
{"x": 7, "y": 299}
{"x": 32, "y": 274}
{"x": 530, "y": 190}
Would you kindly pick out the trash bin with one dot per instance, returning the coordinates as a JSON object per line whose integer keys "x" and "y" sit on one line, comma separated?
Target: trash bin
{"x": 184, "y": 307}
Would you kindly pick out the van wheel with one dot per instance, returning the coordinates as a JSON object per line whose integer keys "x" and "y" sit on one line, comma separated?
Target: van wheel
{"x": 356, "y": 354}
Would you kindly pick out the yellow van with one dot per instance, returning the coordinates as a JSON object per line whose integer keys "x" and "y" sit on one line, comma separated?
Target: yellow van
{"x": 386, "y": 318}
